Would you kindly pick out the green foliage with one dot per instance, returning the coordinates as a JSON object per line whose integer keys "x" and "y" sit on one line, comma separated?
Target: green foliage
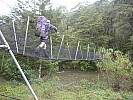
{"x": 49, "y": 67}
{"x": 49, "y": 90}
{"x": 77, "y": 65}
{"x": 67, "y": 65}
{"x": 116, "y": 62}
{"x": 117, "y": 69}
{"x": 87, "y": 66}
{"x": 11, "y": 72}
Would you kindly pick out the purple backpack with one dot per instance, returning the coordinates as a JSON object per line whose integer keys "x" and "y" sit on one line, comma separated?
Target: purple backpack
{"x": 40, "y": 29}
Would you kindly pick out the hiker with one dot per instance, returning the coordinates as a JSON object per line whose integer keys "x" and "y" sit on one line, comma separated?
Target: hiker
{"x": 44, "y": 36}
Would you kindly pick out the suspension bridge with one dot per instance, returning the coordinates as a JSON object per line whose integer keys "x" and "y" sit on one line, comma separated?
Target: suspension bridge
{"x": 21, "y": 44}
{"x": 24, "y": 43}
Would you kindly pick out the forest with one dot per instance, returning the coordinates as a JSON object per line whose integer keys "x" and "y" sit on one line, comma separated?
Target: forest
{"x": 104, "y": 25}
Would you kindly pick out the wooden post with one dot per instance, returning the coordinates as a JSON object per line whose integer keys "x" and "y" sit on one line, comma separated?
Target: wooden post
{"x": 94, "y": 53}
{"x": 51, "y": 47}
{"x": 40, "y": 69}
{"x": 81, "y": 52}
{"x": 60, "y": 46}
{"x": 77, "y": 50}
{"x": 69, "y": 51}
{"x": 100, "y": 53}
{"x": 88, "y": 52}
{"x": 14, "y": 31}
{"x": 26, "y": 35}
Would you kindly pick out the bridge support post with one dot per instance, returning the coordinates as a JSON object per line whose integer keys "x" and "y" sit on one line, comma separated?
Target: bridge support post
{"x": 68, "y": 50}
{"x": 60, "y": 46}
{"x": 88, "y": 52}
{"x": 94, "y": 57}
{"x": 18, "y": 66}
{"x": 77, "y": 50}
{"x": 15, "y": 38}
{"x": 51, "y": 47}
{"x": 26, "y": 35}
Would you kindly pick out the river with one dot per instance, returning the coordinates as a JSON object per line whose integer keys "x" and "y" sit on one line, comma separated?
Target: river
{"x": 74, "y": 77}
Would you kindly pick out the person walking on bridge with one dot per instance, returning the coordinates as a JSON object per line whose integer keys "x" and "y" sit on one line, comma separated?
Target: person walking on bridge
{"x": 42, "y": 29}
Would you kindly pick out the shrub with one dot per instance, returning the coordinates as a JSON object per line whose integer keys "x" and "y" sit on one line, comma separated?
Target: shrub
{"x": 11, "y": 71}
{"x": 117, "y": 68}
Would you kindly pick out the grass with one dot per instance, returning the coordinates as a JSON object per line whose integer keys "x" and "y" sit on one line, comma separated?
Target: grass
{"x": 53, "y": 90}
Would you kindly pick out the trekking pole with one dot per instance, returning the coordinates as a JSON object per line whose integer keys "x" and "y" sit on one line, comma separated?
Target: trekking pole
{"x": 18, "y": 66}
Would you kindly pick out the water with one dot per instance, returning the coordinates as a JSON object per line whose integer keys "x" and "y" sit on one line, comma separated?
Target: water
{"x": 74, "y": 77}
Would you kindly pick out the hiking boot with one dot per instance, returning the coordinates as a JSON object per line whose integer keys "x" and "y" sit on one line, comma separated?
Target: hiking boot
{"x": 46, "y": 54}
{"x": 37, "y": 51}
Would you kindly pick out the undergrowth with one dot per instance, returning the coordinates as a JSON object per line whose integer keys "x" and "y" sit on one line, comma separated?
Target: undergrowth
{"x": 54, "y": 90}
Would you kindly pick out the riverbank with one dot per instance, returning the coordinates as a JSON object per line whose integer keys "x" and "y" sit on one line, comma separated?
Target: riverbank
{"x": 55, "y": 90}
